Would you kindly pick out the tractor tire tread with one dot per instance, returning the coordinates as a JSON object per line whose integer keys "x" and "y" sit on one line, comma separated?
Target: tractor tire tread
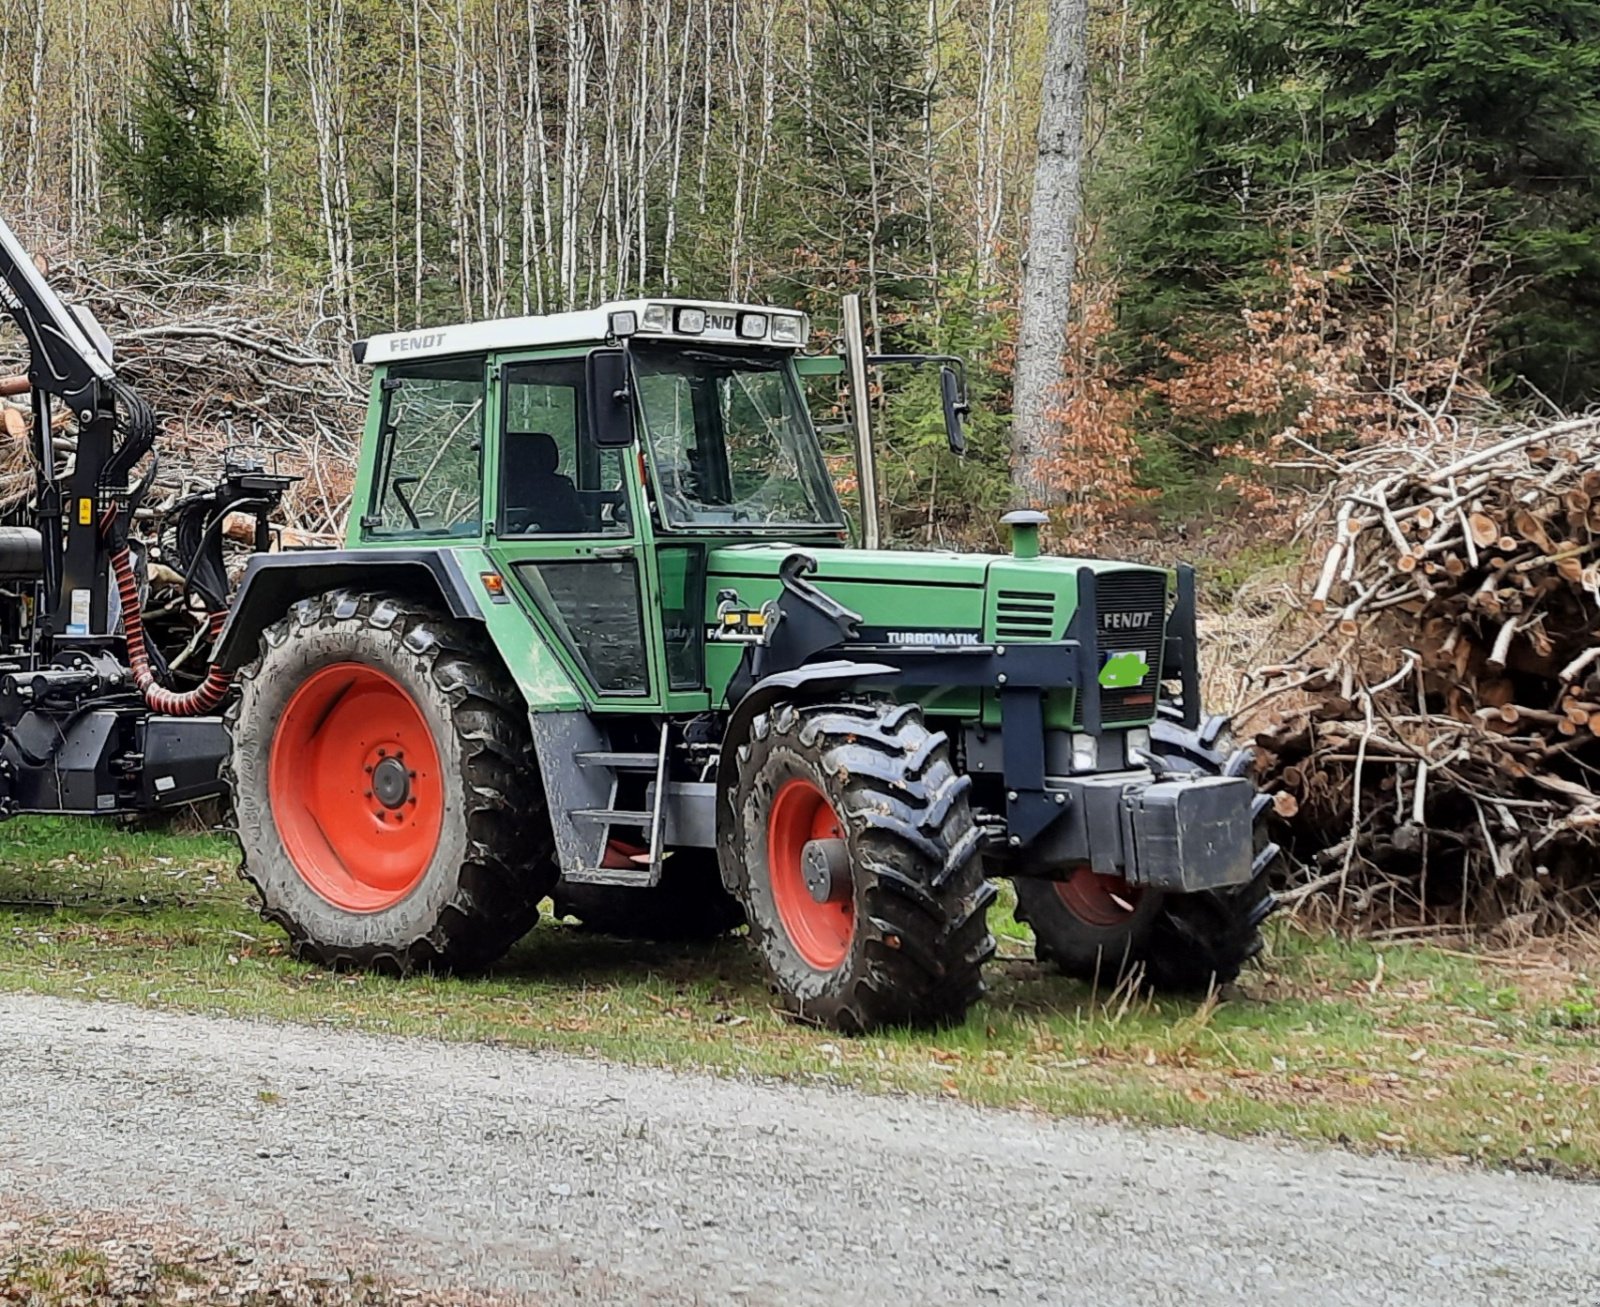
{"x": 922, "y": 900}
{"x": 509, "y": 864}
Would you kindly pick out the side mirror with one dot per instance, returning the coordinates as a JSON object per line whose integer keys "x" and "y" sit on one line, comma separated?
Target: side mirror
{"x": 956, "y": 408}
{"x": 610, "y": 398}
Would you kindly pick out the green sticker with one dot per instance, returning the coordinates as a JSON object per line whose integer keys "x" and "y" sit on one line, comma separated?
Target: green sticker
{"x": 1123, "y": 671}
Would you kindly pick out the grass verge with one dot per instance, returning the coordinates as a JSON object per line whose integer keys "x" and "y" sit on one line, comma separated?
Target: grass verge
{"x": 1415, "y": 1049}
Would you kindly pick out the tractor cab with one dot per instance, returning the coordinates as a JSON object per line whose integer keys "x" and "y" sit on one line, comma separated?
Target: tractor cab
{"x": 597, "y": 459}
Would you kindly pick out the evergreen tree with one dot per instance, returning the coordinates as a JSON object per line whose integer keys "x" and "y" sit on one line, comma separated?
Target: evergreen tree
{"x": 178, "y": 165}
{"x": 1263, "y": 127}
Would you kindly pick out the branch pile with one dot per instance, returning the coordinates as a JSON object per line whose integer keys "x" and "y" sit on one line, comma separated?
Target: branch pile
{"x": 227, "y": 364}
{"x": 1443, "y": 762}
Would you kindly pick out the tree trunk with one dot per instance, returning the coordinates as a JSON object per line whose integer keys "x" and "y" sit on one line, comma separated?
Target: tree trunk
{"x": 1051, "y": 258}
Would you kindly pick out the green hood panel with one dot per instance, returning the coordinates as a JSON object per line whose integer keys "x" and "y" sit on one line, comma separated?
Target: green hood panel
{"x": 886, "y": 565}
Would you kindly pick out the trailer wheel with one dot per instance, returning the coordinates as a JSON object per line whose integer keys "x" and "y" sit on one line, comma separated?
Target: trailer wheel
{"x": 382, "y": 790}
{"x": 1102, "y": 929}
{"x": 853, "y": 850}
{"x": 689, "y": 903}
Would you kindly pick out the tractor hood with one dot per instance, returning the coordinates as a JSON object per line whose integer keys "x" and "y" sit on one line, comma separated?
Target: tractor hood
{"x": 907, "y": 598}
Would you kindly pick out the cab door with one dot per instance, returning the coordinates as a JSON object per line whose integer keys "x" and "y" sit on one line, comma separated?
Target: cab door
{"x": 566, "y": 530}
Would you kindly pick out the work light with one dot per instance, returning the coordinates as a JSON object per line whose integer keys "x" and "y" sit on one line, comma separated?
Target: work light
{"x": 691, "y": 322}
{"x": 753, "y": 326}
{"x": 788, "y": 329}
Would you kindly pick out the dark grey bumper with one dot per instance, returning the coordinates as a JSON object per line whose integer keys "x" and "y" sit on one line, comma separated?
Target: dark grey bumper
{"x": 1185, "y": 834}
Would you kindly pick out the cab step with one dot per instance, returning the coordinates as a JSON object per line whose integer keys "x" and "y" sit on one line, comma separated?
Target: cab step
{"x": 640, "y": 877}
{"x": 617, "y": 759}
{"x": 615, "y": 816}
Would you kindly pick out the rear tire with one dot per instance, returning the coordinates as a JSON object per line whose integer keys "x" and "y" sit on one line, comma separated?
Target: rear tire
{"x": 383, "y": 793}
{"x": 1178, "y": 943}
{"x": 903, "y": 934}
{"x": 688, "y": 905}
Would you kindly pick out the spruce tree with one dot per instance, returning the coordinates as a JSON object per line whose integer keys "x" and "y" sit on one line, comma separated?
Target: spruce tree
{"x": 1264, "y": 127}
{"x": 177, "y": 165}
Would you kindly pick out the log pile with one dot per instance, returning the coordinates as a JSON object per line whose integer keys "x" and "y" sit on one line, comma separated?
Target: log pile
{"x": 1434, "y": 748}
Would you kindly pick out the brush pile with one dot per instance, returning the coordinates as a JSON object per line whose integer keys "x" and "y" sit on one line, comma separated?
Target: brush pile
{"x": 227, "y": 366}
{"x": 232, "y": 372}
{"x": 1443, "y": 759}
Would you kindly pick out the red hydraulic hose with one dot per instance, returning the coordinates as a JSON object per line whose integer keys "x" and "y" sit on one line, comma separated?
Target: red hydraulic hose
{"x": 206, "y": 696}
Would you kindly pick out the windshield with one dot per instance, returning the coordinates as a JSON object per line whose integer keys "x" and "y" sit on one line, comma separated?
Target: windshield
{"x": 731, "y": 442}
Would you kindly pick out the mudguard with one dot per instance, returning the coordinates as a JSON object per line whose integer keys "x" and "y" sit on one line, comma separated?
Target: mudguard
{"x": 273, "y": 582}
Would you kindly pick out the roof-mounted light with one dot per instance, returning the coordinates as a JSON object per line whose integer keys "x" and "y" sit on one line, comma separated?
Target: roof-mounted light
{"x": 752, "y": 326}
{"x": 655, "y": 318}
{"x": 691, "y": 322}
{"x": 789, "y": 329}
{"x": 623, "y": 323}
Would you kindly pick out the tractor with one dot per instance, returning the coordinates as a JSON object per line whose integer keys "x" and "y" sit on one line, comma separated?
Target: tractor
{"x": 598, "y": 633}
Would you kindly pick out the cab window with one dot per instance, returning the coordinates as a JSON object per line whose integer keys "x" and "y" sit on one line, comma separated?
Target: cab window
{"x": 430, "y": 450}
{"x": 553, "y": 480}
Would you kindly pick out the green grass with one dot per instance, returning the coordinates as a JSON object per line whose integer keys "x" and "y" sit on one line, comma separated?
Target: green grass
{"x": 1410, "y": 1049}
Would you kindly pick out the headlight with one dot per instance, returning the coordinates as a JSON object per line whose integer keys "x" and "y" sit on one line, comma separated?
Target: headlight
{"x": 655, "y": 318}
{"x": 1085, "y": 752}
{"x": 753, "y": 326}
{"x": 691, "y": 322}
{"x": 1137, "y": 742}
{"x": 788, "y": 329}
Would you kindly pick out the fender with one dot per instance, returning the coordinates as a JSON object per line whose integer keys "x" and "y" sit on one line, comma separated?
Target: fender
{"x": 808, "y": 682}
{"x": 272, "y": 583}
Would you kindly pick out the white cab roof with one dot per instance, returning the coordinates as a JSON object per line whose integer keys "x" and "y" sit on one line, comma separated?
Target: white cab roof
{"x": 582, "y": 327}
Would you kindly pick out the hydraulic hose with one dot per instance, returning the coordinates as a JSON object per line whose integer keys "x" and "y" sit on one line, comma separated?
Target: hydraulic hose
{"x": 206, "y": 696}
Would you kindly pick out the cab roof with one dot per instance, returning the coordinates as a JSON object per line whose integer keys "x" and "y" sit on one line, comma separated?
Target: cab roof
{"x": 722, "y": 322}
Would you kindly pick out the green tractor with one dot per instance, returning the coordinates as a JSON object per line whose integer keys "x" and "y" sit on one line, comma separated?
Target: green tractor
{"x": 598, "y": 632}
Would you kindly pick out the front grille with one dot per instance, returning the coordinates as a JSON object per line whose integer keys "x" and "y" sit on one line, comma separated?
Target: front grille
{"x": 1131, "y": 592}
{"x": 1025, "y": 615}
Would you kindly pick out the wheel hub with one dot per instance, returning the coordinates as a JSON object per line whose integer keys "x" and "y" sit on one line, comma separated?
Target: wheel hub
{"x": 355, "y": 784}
{"x": 809, "y": 869}
{"x": 825, "y": 864}
{"x": 391, "y": 782}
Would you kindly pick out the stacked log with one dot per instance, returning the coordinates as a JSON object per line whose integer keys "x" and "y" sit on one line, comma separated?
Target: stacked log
{"x": 1434, "y": 748}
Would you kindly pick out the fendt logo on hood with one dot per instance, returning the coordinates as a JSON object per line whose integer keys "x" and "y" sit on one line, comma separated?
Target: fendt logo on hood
{"x": 1125, "y": 621}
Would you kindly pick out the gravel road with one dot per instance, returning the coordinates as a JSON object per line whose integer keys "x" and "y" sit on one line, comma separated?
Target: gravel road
{"x": 573, "y": 1180}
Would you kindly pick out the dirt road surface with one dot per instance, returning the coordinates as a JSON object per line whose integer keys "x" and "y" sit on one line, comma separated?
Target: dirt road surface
{"x": 571, "y": 1180}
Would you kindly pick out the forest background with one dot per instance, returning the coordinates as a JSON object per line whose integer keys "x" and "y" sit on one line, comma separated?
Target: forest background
{"x": 1303, "y": 220}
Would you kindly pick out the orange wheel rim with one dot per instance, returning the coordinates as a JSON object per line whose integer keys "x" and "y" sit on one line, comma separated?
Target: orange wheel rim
{"x": 820, "y": 932}
{"x": 1098, "y": 900}
{"x": 354, "y": 782}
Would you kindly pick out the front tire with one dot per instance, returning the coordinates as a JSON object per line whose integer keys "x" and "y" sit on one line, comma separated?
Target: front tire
{"x": 1102, "y": 929}
{"x": 383, "y": 791}
{"x": 853, "y": 850}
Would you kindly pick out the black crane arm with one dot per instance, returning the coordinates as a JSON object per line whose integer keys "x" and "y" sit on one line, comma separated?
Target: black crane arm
{"x": 62, "y": 361}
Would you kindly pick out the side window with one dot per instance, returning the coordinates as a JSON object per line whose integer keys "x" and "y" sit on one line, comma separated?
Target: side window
{"x": 430, "y": 450}
{"x": 553, "y": 481}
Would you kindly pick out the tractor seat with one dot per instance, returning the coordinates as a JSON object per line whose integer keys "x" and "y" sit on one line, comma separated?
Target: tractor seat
{"x": 539, "y": 498}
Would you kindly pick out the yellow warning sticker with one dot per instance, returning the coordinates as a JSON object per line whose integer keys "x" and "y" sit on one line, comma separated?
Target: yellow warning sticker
{"x": 85, "y": 512}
